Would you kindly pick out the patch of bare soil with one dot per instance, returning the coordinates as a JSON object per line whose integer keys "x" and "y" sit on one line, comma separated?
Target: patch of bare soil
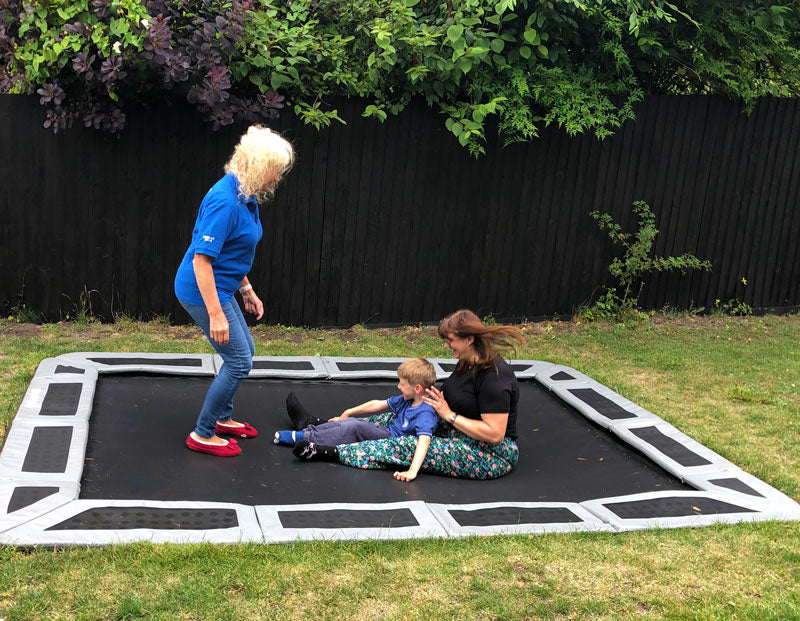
{"x": 183, "y": 333}
{"x": 22, "y": 330}
{"x": 545, "y": 327}
{"x": 412, "y": 334}
{"x": 265, "y": 333}
{"x": 685, "y": 321}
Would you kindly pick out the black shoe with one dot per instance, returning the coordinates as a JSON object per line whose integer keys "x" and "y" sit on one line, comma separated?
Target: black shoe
{"x": 299, "y": 415}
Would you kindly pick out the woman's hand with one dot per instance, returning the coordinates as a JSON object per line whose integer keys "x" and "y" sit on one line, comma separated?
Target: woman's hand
{"x": 218, "y": 328}
{"x": 253, "y": 304}
{"x": 435, "y": 399}
{"x": 490, "y": 427}
{"x": 405, "y": 476}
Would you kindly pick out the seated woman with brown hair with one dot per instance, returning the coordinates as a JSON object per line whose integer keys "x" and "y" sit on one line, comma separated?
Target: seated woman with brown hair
{"x": 478, "y": 402}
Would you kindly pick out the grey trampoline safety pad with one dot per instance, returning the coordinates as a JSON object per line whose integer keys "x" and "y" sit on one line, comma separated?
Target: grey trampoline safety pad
{"x": 346, "y": 521}
{"x": 43, "y": 460}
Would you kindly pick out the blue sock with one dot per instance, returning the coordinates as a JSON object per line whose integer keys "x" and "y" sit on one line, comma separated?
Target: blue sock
{"x": 289, "y": 437}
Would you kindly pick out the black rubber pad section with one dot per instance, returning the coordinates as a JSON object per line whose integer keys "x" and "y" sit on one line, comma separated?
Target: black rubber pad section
{"x": 61, "y": 400}
{"x": 167, "y": 362}
{"x": 156, "y": 518}
{"x": 503, "y": 516}
{"x": 348, "y": 518}
{"x": 673, "y": 507}
{"x": 66, "y": 369}
{"x": 737, "y": 485}
{"x": 291, "y": 365}
{"x": 451, "y": 366}
{"x": 671, "y": 448}
{"x": 601, "y": 404}
{"x": 48, "y": 450}
{"x": 561, "y": 376}
{"x": 368, "y": 366}
{"x": 27, "y": 495}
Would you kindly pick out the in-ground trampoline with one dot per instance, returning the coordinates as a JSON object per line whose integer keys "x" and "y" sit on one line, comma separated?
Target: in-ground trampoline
{"x": 95, "y": 455}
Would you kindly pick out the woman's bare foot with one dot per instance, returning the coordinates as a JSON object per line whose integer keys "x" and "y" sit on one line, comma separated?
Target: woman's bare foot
{"x": 212, "y": 440}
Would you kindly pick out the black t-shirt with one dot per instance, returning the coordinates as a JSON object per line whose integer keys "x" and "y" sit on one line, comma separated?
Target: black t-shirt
{"x": 492, "y": 390}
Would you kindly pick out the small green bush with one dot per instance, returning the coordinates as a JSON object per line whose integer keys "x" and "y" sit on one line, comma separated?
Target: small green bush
{"x": 635, "y": 263}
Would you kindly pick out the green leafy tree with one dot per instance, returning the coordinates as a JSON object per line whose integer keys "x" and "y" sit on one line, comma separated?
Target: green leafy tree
{"x": 579, "y": 64}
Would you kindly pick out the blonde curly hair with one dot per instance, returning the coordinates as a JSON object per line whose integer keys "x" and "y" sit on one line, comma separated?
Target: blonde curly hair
{"x": 261, "y": 156}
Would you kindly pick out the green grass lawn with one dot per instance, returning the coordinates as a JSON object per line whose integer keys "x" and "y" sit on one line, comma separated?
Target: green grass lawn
{"x": 732, "y": 384}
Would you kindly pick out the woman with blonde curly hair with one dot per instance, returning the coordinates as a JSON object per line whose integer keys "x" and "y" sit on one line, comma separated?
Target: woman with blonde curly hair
{"x": 216, "y": 264}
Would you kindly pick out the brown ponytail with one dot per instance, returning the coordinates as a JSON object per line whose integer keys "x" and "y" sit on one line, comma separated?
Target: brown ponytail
{"x": 464, "y": 323}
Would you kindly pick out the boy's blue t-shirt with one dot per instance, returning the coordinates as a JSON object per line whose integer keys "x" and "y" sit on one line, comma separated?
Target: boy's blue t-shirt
{"x": 411, "y": 421}
{"x": 227, "y": 229}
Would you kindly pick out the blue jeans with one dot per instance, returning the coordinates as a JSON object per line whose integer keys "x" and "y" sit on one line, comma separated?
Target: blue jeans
{"x": 345, "y": 431}
{"x": 237, "y": 356}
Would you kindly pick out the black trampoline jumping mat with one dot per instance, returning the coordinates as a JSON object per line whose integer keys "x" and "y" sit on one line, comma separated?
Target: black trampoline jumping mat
{"x": 96, "y": 455}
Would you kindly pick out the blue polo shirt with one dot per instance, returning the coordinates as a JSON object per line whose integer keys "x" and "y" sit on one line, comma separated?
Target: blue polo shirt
{"x": 411, "y": 421}
{"x": 227, "y": 229}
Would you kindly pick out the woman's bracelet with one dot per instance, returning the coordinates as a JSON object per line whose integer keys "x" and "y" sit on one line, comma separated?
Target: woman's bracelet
{"x": 245, "y": 289}
{"x": 453, "y": 418}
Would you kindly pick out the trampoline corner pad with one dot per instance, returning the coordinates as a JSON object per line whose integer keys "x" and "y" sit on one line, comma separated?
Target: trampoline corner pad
{"x": 22, "y": 502}
{"x": 681, "y": 509}
{"x": 736, "y": 483}
{"x": 104, "y": 522}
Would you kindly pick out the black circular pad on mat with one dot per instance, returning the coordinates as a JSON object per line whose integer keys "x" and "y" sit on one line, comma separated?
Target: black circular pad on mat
{"x": 670, "y": 447}
{"x": 284, "y": 365}
{"x": 673, "y": 507}
{"x": 48, "y": 450}
{"x": 601, "y": 404}
{"x": 737, "y": 485}
{"x": 498, "y": 516}
{"x": 61, "y": 399}
{"x": 26, "y": 495}
{"x": 168, "y": 362}
{"x": 124, "y": 518}
{"x": 348, "y": 518}
{"x": 139, "y": 425}
{"x": 516, "y": 367}
{"x": 367, "y": 366}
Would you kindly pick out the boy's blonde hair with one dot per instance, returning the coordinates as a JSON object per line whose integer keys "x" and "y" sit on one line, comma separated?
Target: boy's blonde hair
{"x": 417, "y": 371}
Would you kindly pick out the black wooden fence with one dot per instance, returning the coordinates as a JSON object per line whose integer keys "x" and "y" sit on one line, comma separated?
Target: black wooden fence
{"x": 396, "y": 223}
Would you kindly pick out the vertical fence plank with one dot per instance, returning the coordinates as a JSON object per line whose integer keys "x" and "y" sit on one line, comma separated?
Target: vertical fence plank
{"x": 787, "y": 255}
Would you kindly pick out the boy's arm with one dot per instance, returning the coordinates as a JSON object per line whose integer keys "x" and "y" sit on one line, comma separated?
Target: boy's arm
{"x": 370, "y": 407}
{"x": 423, "y": 443}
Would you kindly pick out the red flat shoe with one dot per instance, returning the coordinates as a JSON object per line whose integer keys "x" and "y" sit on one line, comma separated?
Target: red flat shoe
{"x": 248, "y": 431}
{"x": 231, "y": 449}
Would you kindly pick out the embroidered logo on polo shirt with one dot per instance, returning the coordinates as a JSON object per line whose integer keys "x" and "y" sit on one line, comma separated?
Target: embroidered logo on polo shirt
{"x": 208, "y": 238}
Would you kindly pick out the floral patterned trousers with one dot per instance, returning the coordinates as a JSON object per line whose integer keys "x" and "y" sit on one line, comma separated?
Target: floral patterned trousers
{"x": 455, "y": 454}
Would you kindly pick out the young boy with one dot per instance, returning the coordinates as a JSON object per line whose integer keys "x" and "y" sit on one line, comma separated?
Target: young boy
{"x": 412, "y": 418}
